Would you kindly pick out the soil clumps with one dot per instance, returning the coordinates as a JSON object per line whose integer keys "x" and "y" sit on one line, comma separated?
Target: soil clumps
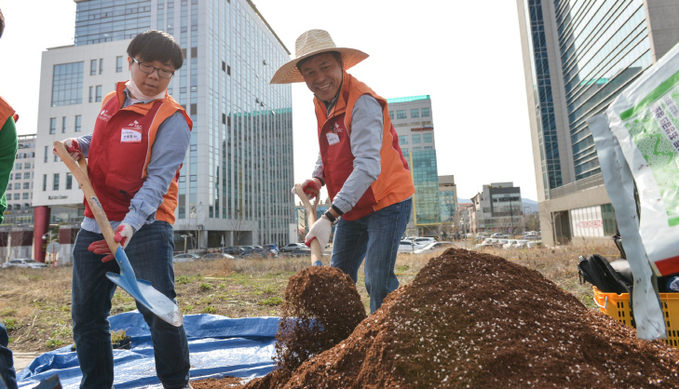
{"x": 475, "y": 320}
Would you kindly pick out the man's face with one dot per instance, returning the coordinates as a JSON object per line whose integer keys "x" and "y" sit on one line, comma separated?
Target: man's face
{"x": 149, "y": 84}
{"x": 323, "y": 75}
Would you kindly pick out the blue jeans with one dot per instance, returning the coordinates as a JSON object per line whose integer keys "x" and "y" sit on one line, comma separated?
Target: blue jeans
{"x": 7, "y": 374}
{"x": 374, "y": 237}
{"x": 150, "y": 252}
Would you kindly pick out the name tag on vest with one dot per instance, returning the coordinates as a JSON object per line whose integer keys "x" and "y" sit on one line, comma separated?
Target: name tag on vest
{"x": 130, "y": 135}
{"x": 332, "y": 138}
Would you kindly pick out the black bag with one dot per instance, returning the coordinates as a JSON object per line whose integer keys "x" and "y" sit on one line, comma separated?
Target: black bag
{"x": 598, "y": 271}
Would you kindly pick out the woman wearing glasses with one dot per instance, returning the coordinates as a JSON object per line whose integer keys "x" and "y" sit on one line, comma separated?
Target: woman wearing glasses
{"x": 135, "y": 152}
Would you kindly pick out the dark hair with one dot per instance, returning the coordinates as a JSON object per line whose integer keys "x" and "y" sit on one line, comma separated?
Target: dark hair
{"x": 335, "y": 54}
{"x": 2, "y": 23}
{"x": 155, "y": 45}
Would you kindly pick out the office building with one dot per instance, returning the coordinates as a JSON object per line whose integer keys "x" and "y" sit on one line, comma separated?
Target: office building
{"x": 448, "y": 201}
{"x": 578, "y": 56}
{"x": 498, "y": 208}
{"x": 413, "y": 122}
{"x": 235, "y": 183}
{"x": 16, "y": 232}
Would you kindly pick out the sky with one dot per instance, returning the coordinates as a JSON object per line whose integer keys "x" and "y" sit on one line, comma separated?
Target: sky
{"x": 466, "y": 55}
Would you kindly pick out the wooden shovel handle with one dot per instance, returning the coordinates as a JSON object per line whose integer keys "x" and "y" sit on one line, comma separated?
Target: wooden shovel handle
{"x": 311, "y": 219}
{"x": 80, "y": 174}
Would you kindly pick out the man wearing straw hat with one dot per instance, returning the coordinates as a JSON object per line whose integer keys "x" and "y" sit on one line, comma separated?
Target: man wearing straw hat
{"x": 360, "y": 163}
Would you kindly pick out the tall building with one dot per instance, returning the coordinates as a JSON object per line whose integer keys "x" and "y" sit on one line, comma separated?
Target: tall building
{"x": 498, "y": 208}
{"x": 235, "y": 182}
{"x": 448, "y": 201}
{"x": 412, "y": 120}
{"x": 16, "y": 232}
{"x": 578, "y": 56}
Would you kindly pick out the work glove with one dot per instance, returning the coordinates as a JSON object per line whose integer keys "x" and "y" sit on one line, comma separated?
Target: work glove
{"x": 72, "y": 147}
{"x": 319, "y": 231}
{"x": 123, "y": 234}
{"x": 312, "y": 188}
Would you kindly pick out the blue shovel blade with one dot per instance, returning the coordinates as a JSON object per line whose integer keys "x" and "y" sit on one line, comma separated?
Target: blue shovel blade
{"x": 142, "y": 291}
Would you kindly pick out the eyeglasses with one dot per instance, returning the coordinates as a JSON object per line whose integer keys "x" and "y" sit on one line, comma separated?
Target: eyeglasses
{"x": 148, "y": 69}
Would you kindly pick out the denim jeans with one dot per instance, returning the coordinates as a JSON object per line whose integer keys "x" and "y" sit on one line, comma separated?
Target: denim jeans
{"x": 150, "y": 253}
{"x": 7, "y": 373}
{"x": 374, "y": 237}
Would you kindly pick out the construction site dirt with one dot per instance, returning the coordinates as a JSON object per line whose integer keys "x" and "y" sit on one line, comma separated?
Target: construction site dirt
{"x": 468, "y": 320}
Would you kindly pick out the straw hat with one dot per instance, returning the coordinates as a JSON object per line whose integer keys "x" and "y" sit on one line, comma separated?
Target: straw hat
{"x": 311, "y": 43}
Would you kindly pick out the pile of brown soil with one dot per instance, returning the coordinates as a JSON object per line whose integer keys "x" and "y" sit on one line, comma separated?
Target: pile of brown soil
{"x": 479, "y": 321}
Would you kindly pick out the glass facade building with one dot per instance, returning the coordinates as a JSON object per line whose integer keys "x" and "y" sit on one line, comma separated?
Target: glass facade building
{"x": 234, "y": 185}
{"x": 578, "y": 57}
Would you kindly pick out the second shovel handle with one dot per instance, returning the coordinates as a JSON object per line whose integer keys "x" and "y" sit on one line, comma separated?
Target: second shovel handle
{"x": 80, "y": 174}
{"x": 315, "y": 247}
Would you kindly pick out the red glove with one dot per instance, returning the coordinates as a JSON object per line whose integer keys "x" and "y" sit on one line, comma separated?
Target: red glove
{"x": 72, "y": 147}
{"x": 123, "y": 234}
{"x": 312, "y": 188}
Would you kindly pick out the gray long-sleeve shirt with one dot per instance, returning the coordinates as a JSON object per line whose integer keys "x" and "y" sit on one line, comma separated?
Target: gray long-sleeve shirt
{"x": 167, "y": 154}
{"x": 366, "y": 142}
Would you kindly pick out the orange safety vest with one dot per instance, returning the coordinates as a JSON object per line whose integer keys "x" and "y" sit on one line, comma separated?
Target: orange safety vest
{"x": 120, "y": 152}
{"x": 6, "y": 111}
{"x": 393, "y": 185}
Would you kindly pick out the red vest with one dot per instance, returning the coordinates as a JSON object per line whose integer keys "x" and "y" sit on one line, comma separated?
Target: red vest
{"x": 393, "y": 185}
{"x": 120, "y": 152}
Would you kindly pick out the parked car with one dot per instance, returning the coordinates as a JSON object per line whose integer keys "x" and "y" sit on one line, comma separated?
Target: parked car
{"x": 232, "y": 250}
{"x": 433, "y": 247}
{"x": 488, "y": 242}
{"x": 511, "y": 244}
{"x": 292, "y": 247}
{"x": 407, "y": 246}
{"x": 26, "y": 263}
{"x": 258, "y": 253}
{"x": 298, "y": 252}
{"x": 215, "y": 256}
{"x": 424, "y": 240}
{"x": 186, "y": 257}
{"x": 272, "y": 246}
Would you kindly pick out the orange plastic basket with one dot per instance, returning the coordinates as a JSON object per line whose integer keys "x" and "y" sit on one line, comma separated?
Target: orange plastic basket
{"x": 617, "y": 306}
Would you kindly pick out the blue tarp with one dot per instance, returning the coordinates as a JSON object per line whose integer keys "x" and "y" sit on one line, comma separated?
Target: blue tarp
{"x": 219, "y": 346}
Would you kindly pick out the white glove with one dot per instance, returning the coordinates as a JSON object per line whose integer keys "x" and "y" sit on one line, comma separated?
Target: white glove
{"x": 319, "y": 231}
{"x": 123, "y": 235}
{"x": 73, "y": 148}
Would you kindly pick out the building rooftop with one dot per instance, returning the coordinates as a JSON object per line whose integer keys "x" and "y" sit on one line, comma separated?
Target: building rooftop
{"x": 407, "y": 99}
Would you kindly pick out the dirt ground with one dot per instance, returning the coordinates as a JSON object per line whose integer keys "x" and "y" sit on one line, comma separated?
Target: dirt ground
{"x": 475, "y": 320}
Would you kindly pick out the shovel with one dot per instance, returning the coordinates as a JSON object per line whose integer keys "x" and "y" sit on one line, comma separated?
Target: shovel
{"x": 311, "y": 219}
{"x": 141, "y": 290}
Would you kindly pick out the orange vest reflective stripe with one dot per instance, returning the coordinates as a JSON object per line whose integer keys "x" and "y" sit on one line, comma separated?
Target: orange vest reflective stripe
{"x": 120, "y": 152}
{"x": 393, "y": 185}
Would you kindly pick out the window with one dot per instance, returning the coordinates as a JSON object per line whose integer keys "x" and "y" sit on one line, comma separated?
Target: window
{"x": 17, "y": 196}
{"x": 93, "y": 67}
{"x": 101, "y": 65}
{"x": 78, "y": 123}
{"x": 18, "y": 166}
{"x": 69, "y": 181}
{"x": 391, "y": 115}
{"x": 417, "y": 139}
{"x": 18, "y": 175}
{"x": 119, "y": 63}
{"x": 27, "y": 185}
{"x": 17, "y": 186}
{"x": 25, "y": 196}
{"x": 44, "y": 182}
{"x": 53, "y": 125}
{"x": 46, "y": 148}
{"x": 415, "y": 113}
{"x": 91, "y": 94}
{"x": 27, "y": 165}
{"x": 55, "y": 182}
{"x": 63, "y": 124}
{"x": 427, "y": 138}
{"x": 97, "y": 97}
{"x": 67, "y": 84}
{"x": 403, "y": 139}
{"x": 27, "y": 175}
{"x": 428, "y": 148}
{"x": 425, "y": 112}
{"x": 401, "y": 114}
{"x": 416, "y": 149}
